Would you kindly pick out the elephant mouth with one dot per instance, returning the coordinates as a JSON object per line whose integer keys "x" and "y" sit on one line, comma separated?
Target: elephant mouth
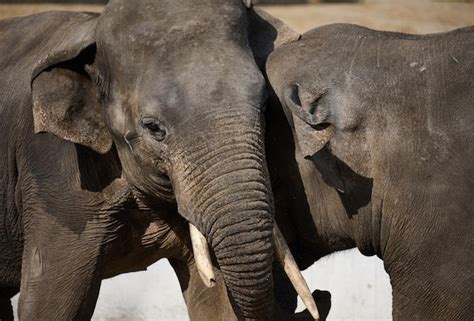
{"x": 164, "y": 181}
{"x": 163, "y": 187}
{"x": 204, "y": 265}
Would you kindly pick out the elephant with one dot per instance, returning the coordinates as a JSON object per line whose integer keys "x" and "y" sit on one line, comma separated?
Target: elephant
{"x": 133, "y": 135}
{"x": 370, "y": 146}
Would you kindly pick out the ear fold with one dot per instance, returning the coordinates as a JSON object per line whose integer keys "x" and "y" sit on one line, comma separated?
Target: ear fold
{"x": 311, "y": 119}
{"x": 313, "y": 129}
{"x": 267, "y": 33}
{"x": 63, "y": 94}
{"x": 311, "y": 141}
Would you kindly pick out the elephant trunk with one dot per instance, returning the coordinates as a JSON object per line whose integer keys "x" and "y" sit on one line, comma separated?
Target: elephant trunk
{"x": 241, "y": 240}
{"x": 227, "y": 197}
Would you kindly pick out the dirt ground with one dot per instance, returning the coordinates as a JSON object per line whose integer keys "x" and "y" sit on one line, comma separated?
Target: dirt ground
{"x": 415, "y": 16}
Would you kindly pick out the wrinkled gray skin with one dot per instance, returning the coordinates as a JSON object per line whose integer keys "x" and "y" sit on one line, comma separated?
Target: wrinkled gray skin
{"x": 110, "y": 125}
{"x": 383, "y": 127}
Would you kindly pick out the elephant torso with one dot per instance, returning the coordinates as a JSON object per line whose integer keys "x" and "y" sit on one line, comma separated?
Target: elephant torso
{"x": 57, "y": 191}
{"x": 396, "y": 177}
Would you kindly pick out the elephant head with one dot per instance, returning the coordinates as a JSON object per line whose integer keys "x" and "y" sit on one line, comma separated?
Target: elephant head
{"x": 175, "y": 86}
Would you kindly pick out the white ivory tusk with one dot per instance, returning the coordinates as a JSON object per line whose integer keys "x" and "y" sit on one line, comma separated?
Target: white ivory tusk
{"x": 283, "y": 254}
{"x": 202, "y": 256}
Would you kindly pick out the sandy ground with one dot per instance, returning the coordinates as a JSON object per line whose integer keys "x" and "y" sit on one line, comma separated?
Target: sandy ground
{"x": 416, "y": 16}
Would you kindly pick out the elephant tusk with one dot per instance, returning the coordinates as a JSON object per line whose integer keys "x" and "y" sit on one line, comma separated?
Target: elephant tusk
{"x": 288, "y": 263}
{"x": 202, "y": 256}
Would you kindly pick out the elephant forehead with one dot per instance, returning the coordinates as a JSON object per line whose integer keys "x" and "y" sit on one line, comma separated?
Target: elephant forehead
{"x": 157, "y": 23}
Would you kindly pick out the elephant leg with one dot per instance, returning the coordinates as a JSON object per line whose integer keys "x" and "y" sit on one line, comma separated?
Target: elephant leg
{"x": 6, "y": 309}
{"x": 59, "y": 281}
{"x": 203, "y": 303}
{"x": 286, "y": 299}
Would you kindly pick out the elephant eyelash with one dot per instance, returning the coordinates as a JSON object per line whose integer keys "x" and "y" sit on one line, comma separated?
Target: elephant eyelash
{"x": 155, "y": 127}
{"x": 314, "y": 104}
{"x": 98, "y": 81}
{"x": 101, "y": 86}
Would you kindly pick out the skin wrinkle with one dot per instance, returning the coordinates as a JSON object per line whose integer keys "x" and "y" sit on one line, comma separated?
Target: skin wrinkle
{"x": 213, "y": 158}
{"x": 245, "y": 169}
{"x": 233, "y": 201}
{"x": 229, "y": 193}
{"x": 199, "y": 154}
{"x": 254, "y": 262}
{"x": 256, "y": 224}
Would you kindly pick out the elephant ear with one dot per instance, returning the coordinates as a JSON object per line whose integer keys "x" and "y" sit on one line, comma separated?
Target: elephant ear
{"x": 315, "y": 125}
{"x": 266, "y": 33}
{"x": 313, "y": 121}
{"x": 63, "y": 94}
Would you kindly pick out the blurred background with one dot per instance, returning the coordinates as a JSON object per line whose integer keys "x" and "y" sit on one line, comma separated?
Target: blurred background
{"x": 414, "y": 16}
{"x": 359, "y": 285}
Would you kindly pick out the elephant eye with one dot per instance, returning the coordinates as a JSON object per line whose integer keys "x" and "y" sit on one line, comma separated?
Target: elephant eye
{"x": 154, "y": 127}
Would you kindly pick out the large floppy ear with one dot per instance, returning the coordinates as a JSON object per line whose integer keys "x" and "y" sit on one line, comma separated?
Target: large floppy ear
{"x": 64, "y": 97}
{"x": 312, "y": 119}
{"x": 314, "y": 126}
{"x": 266, "y": 33}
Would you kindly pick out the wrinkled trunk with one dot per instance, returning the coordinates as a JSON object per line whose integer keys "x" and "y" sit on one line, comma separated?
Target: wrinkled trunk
{"x": 226, "y": 194}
